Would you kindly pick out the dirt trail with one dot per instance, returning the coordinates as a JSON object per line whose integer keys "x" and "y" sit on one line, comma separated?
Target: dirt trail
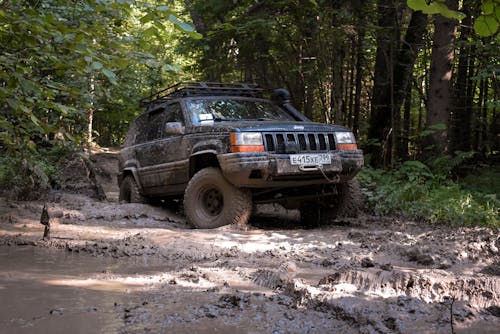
{"x": 155, "y": 274}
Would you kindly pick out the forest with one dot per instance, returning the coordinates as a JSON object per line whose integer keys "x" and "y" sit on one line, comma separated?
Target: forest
{"x": 417, "y": 82}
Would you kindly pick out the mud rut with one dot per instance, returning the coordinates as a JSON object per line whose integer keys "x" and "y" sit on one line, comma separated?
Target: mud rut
{"x": 368, "y": 275}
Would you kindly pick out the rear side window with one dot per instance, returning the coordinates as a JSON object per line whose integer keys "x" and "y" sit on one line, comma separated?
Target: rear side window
{"x": 155, "y": 124}
{"x": 137, "y": 132}
{"x": 149, "y": 126}
{"x": 174, "y": 113}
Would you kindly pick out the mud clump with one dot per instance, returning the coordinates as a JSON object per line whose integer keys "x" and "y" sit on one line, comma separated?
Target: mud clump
{"x": 416, "y": 255}
{"x": 427, "y": 286}
{"x": 494, "y": 310}
{"x": 492, "y": 269}
{"x": 135, "y": 245}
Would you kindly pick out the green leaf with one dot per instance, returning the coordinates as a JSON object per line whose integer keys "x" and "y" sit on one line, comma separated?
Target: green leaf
{"x": 147, "y": 18}
{"x": 438, "y": 127}
{"x": 163, "y": 9}
{"x": 171, "y": 68}
{"x": 35, "y": 120}
{"x": 184, "y": 26}
{"x": 488, "y": 7}
{"x": 96, "y": 65}
{"x": 110, "y": 75}
{"x": 486, "y": 25}
{"x": 150, "y": 32}
{"x": 435, "y": 7}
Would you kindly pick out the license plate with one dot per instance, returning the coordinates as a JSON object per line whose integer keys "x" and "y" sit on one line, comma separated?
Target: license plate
{"x": 310, "y": 159}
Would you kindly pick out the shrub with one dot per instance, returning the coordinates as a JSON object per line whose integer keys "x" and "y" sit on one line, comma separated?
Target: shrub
{"x": 417, "y": 191}
{"x": 24, "y": 175}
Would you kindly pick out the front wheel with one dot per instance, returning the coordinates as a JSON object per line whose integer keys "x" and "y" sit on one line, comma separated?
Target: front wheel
{"x": 348, "y": 202}
{"x": 345, "y": 204}
{"x": 210, "y": 201}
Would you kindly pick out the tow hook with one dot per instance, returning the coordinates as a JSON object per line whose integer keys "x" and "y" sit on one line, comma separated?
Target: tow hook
{"x": 314, "y": 168}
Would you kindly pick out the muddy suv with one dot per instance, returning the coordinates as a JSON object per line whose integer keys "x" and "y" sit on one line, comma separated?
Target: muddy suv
{"x": 223, "y": 147}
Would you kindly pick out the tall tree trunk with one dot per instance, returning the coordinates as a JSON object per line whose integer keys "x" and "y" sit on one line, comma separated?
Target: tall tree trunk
{"x": 442, "y": 57}
{"x": 359, "y": 78}
{"x": 483, "y": 148}
{"x": 461, "y": 122}
{"x": 476, "y": 130}
{"x": 405, "y": 137}
{"x": 338, "y": 83}
{"x": 403, "y": 71}
{"x": 350, "y": 92}
{"x": 495, "y": 120}
{"x": 380, "y": 117}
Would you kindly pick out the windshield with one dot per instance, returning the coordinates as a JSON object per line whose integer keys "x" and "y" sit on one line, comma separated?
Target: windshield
{"x": 219, "y": 110}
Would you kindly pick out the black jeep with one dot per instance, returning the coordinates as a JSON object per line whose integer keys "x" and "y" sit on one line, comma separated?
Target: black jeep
{"x": 223, "y": 147}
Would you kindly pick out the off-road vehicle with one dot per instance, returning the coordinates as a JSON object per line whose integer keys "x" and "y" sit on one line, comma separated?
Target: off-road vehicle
{"x": 224, "y": 147}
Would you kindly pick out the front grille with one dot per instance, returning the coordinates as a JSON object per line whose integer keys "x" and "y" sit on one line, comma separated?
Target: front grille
{"x": 297, "y": 142}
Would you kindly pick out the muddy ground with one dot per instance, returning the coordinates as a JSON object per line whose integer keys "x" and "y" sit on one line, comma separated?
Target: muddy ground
{"x": 136, "y": 268}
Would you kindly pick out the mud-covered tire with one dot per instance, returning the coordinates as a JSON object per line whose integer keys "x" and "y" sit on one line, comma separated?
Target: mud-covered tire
{"x": 348, "y": 201}
{"x": 311, "y": 214}
{"x": 346, "y": 204}
{"x": 129, "y": 191}
{"x": 210, "y": 201}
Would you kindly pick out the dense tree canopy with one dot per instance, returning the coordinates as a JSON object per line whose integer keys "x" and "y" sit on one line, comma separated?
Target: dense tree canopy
{"x": 414, "y": 79}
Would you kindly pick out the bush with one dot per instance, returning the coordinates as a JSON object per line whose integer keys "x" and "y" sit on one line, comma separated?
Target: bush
{"x": 417, "y": 191}
{"x": 25, "y": 175}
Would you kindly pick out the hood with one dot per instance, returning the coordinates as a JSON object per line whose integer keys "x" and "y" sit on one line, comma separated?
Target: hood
{"x": 269, "y": 126}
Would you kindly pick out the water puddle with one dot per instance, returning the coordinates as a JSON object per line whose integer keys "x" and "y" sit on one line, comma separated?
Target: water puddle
{"x": 49, "y": 291}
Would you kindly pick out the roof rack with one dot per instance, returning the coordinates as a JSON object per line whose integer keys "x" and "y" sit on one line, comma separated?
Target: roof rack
{"x": 191, "y": 88}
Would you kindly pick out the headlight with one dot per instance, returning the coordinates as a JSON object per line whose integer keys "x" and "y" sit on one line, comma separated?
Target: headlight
{"x": 247, "y": 142}
{"x": 345, "y": 141}
{"x": 345, "y": 138}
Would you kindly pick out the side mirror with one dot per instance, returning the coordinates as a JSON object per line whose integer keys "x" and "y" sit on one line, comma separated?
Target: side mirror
{"x": 174, "y": 128}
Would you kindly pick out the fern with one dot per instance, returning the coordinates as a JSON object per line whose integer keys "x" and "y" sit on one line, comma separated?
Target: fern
{"x": 416, "y": 191}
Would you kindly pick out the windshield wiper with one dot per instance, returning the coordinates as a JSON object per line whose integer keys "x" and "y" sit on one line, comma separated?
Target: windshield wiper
{"x": 218, "y": 119}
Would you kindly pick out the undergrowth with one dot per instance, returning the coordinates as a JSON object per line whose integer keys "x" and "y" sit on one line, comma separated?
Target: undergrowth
{"x": 430, "y": 192}
{"x": 25, "y": 175}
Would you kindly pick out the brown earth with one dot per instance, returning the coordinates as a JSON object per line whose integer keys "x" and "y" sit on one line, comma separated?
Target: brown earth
{"x": 135, "y": 268}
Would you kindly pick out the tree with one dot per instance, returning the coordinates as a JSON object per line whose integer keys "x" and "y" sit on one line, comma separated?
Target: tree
{"x": 441, "y": 70}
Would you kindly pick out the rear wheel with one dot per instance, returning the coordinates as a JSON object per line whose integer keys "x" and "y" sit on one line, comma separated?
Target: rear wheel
{"x": 210, "y": 201}
{"x": 312, "y": 214}
{"x": 129, "y": 191}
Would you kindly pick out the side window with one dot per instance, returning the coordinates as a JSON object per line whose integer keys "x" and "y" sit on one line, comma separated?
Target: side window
{"x": 139, "y": 133}
{"x": 174, "y": 113}
{"x": 155, "y": 123}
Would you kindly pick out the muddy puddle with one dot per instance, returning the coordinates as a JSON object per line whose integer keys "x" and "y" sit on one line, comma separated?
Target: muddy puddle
{"x": 52, "y": 291}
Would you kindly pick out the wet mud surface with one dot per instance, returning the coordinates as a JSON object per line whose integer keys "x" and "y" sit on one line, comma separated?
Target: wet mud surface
{"x": 134, "y": 268}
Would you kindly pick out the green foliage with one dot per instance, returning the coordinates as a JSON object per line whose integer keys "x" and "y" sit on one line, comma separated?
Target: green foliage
{"x": 24, "y": 175}
{"x": 61, "y": 59}
{"x": 485, "y": 25}
{"x": 418, "y": 191}
{"x": 488, "y": 22}
{"x": 435, "y": 7}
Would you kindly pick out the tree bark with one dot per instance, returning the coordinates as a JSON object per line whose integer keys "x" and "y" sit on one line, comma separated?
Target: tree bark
{"x": 380, "y": 116}
{"x": 405, "y": 137}
{"x": 442, "y": 57}
{"x": 461, "y": 124}
{"x": 359, "y": 78}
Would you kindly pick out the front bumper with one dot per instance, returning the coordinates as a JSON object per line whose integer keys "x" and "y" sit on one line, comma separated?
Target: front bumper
{"x": 263, "y": 169}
